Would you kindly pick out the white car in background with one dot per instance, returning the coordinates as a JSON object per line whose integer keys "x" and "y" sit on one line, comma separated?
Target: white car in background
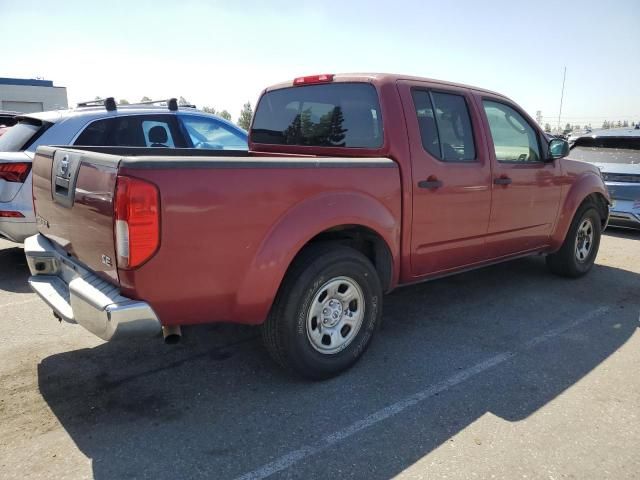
{"x": 103, "y": 124}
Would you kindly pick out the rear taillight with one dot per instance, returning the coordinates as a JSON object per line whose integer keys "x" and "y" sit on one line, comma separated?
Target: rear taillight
{"x": 136, "y": 221}
{"x": 14, "y": 172}
{"x": 10, "y": 214}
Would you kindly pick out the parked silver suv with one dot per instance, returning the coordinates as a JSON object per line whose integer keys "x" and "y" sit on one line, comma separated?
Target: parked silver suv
{"x": 98, "y": 125}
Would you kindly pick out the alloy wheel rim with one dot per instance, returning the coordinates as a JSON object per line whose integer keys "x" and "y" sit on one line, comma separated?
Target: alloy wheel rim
{"x": 584, "y": 240}
{"x": 335, "y": 315}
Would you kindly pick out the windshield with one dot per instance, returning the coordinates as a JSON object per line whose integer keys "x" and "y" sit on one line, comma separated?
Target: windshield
{"x": 18, "y": 137}
{"x": 326, "y": 115}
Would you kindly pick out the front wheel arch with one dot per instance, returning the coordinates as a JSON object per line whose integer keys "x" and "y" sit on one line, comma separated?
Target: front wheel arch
{"x": 588, "y": 188}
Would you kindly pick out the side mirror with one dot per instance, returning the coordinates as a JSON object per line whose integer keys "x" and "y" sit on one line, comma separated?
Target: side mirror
{"x": 558, "y": 148}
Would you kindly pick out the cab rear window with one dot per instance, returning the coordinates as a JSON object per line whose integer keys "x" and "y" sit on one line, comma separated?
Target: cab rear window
{"x": 327, "y": 115}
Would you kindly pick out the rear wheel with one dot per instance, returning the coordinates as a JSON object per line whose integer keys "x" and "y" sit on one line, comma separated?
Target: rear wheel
{"x": 325, "y": 313}
{"x": 580, "y": 248}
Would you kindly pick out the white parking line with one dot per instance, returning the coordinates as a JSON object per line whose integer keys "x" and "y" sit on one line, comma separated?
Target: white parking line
{"x": 15, "y": 304}
{"x": 295, "y": 456}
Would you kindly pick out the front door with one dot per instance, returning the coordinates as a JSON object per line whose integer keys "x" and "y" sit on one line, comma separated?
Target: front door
{"x": 526, "y": 193}
{"x": 451, "y": 176}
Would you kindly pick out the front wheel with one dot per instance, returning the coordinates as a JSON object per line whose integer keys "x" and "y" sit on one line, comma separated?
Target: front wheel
{"x": 580, "y": 248}
{"x": 325, "y": 313}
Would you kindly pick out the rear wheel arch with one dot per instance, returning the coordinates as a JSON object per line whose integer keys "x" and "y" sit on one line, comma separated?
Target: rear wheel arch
{"x": 362, "y": 239}
{"x": 364, "y": 223}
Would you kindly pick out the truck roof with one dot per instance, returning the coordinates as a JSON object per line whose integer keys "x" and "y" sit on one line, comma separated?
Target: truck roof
{"x": 386, "y": 78}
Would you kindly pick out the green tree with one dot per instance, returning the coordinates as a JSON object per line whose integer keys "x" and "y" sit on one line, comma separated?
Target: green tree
{"x": 292, "y": 132}
{"x": 210, "y": 110}
{"x": 605, "y": 125}
{"x": 336, "y": 132}
{"x": 183, "y": 101}
{"x": 145, "y": 99}
{"x": 567, "y": 127}
{"x": 619, "y": 124}
{"x": 625, "y": 123}
{"x": 246, "y": 114}
{"x": 328, "y": 131}
{"x": 547, "y": 127}
{"x": 224, "y": 114}
{"x": 123, "y": 101}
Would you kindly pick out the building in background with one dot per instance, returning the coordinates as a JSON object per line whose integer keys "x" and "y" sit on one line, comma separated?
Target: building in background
{"x": 26, "y": 95}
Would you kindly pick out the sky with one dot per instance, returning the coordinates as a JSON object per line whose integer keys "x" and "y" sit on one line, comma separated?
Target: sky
{"x": 223, "y": 53}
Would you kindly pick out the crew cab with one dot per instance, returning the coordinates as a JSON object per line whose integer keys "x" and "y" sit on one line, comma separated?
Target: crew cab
{"x": 353, "y": 185}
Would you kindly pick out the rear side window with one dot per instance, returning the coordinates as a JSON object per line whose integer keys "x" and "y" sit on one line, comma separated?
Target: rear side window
{"x": 327, "y": 115}
{"x": 132, "y": 131}
{"x": 445, "y": 125}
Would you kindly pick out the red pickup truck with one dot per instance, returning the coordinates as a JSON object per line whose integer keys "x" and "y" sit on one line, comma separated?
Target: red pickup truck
{"x": 353, "y": 185}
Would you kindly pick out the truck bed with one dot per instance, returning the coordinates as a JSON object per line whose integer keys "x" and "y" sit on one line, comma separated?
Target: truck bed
{"x": 230, "y": 222}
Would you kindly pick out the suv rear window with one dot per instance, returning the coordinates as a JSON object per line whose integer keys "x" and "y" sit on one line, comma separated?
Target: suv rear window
{"x": 21, "y": 135}
{"x": 327, "y": 115}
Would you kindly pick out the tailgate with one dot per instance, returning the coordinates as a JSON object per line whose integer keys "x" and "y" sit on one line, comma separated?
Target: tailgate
{"x": 73, "y": 193}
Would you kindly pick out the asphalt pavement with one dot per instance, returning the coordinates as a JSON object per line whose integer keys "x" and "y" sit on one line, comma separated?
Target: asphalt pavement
{"x": 505, "y": 372}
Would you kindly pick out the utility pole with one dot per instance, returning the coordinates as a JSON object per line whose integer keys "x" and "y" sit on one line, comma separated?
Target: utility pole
{"x": 564, "y": 77}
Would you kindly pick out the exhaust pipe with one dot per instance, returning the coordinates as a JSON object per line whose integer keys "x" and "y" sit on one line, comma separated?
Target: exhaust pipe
{"x": 171, "y": 334}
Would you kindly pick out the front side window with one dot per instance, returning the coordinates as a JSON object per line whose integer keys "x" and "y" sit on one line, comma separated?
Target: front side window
{"x": 209, "y": 133}
{"x": 445, "y": 125}
{"x": 325, "y": 115}
{"x": 514, "y": 140}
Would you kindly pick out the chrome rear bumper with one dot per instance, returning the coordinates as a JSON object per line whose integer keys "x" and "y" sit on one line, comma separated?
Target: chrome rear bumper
{"x": 79, "y": 296}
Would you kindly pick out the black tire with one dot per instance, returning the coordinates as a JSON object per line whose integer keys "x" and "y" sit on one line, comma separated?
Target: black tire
{"x": 285, "y": 332}
{"x": 565, "y": 262}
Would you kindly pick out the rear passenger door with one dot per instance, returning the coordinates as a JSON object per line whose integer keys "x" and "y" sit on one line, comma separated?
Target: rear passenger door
{"x": 451, "y": 177}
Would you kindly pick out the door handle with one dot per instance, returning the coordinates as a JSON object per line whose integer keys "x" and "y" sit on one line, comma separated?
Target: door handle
{"x": 431, "y": 183}
{"x": 503, "y": 181}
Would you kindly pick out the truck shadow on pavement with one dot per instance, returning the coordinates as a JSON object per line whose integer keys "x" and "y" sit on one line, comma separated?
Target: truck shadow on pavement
{"x": 215, "y": 406}
{"x": 14, "y": 270}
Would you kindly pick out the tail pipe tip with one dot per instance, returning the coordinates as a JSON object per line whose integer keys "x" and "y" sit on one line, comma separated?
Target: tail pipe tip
{"x": 171, "y": 334}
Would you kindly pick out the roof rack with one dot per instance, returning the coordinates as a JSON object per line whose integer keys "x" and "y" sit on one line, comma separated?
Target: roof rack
{"x": 110, "y": 103}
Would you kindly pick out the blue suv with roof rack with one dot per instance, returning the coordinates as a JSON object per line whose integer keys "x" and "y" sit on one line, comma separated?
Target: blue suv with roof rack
{"x": 99, "y": 123}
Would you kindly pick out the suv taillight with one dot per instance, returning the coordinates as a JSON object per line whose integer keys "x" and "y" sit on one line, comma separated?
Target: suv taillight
{"x": 14, "y": 172}
{"x": 136, "y": 221}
